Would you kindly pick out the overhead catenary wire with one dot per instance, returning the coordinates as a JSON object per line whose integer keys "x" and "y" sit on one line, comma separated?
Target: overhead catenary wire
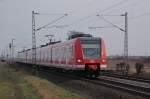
{"x": 58, "y": 26}
{"x": 51, "y": 13}
{"x": 139, "y": 16}
{"x": 61, "y": 26}
{"x": 89, "y": 16}
{"x": 110, "y": 22}
{"x": 52, "y": 22}
{"x": 126, "y": 6}
{"x": 100, "y": 27}
{"x": 130, "y": 18}
{"x": 113, "y": 6}
{"x": 81, "y": 19}
{"x": 110, "y": 15}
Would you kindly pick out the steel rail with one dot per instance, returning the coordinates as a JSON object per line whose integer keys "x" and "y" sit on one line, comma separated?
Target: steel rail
{"x": 128, "y": 77}
{"x": 122, "y": 86}
{"x": 130, "y": 88}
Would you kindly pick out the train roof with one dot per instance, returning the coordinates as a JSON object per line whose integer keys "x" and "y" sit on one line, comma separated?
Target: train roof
{"x": 75, "y": 34}
{"x": 89, "y": 38}
{"x": 51, "y": 43}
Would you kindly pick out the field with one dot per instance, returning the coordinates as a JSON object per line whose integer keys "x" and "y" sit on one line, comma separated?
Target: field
{"x": 111, "y": 63}
{"x": 16, "y": 84}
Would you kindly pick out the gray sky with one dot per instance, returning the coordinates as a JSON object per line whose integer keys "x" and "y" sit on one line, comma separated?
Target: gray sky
{"x": 15, "y": 22}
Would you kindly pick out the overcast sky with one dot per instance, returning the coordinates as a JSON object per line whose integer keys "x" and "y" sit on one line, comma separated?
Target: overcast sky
{"x": 16, "y": 22}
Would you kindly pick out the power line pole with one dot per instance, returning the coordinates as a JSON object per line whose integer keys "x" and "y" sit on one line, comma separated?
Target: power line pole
{"x": 34, "y": 36}
{"x": 124, "y": 30}
{"x": 33, "y": 39}
{"x": 10, "y": 53}
{"x": 126, "y": 37}
{"x": 12, "y": 49}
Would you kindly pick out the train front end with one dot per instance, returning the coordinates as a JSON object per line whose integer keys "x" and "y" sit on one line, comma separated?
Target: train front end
{"x": 92, "y": 55}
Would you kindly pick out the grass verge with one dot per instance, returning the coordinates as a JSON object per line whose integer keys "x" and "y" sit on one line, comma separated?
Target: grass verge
{"x": 13, "y": 85}
{"x": 17, "y": 84}
{"x": 49, "y": 90}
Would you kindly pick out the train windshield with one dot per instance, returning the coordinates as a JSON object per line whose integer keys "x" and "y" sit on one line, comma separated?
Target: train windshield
{"x": 91, "y": 48}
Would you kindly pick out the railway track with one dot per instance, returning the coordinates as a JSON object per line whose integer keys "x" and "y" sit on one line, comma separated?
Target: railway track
{"x": 128, "y": 77}
{"x": 111, "y": 82}
{"x": 130, "y": 86}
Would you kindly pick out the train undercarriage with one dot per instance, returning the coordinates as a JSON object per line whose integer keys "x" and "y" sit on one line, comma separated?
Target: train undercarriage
{"x": 92, "y": 71}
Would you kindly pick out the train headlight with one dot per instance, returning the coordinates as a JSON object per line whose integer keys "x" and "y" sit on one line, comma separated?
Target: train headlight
{"x": 103, "y": 60}
{"x": 79, "y": 60}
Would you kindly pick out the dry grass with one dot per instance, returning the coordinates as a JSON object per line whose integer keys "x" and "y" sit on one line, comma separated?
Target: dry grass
{"x": 48, "y": 90}
{"x": 17, "y": 84}
{"x": 13, "y": 84}
{"x": 43, "y": 92}
{"x": 132, "y": 70}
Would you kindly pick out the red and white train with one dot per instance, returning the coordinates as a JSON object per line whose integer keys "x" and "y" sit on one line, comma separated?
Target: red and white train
{"x": 81, "y": 53}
